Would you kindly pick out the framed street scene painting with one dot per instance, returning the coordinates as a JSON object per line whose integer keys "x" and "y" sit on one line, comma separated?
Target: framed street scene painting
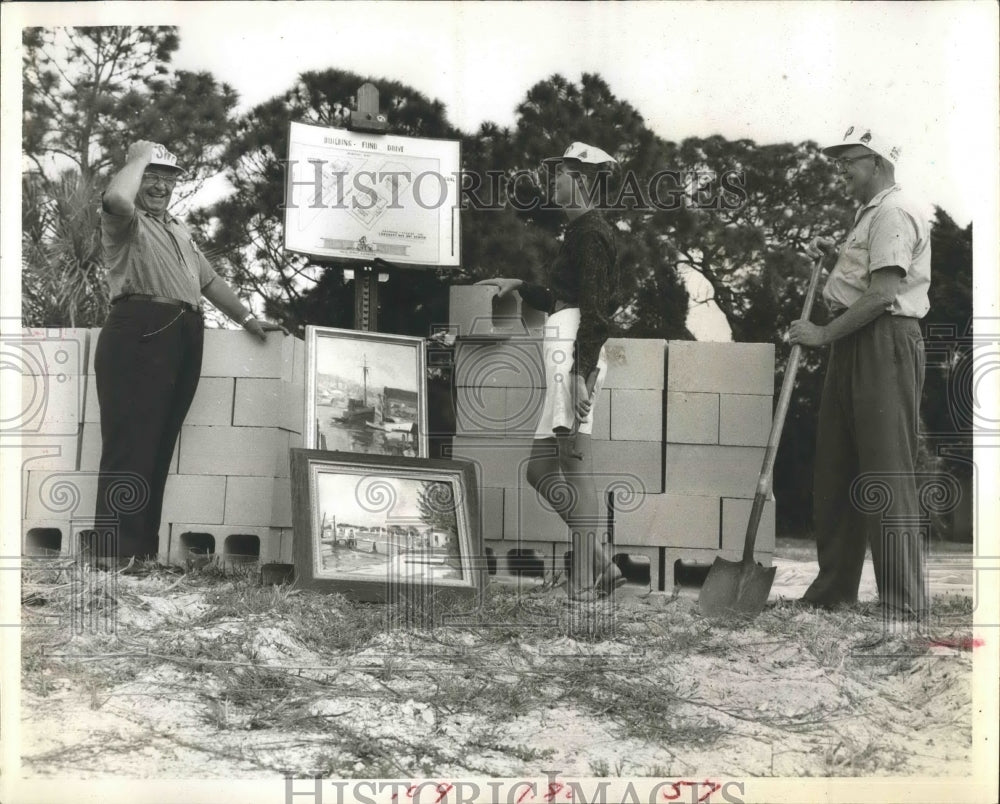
{"x": 365, "y": 393}
{"x": 366, "y": 525}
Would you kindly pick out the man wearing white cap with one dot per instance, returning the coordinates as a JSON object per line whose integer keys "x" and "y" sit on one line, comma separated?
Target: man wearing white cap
{"x": 580, "y": 297}
{"x": 867, "y": 430}
{"x": 148, "y": 357}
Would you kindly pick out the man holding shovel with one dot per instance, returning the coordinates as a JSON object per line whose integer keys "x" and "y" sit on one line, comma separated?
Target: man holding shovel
{"x": 867, "y": 431}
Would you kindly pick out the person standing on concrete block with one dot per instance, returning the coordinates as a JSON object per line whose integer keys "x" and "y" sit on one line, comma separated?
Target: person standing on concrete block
{"x": 581, "y": 298}
{"x": 148, "y": 357}
{"x": 868, "y": 418}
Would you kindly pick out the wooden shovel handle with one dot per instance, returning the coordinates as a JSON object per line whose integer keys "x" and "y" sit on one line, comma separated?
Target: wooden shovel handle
{"x": 780, "y": 411}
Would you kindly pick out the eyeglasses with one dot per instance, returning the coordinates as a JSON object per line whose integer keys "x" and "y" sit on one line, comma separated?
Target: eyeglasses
{"x": 153, "y": 178}
{"x": 843, "y": 162}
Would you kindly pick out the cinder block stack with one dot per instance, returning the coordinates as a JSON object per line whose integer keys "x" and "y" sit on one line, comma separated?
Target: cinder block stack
{"x": 228, "y": 490}
{"x": 678, "y": 441}
{"x": 47, "y": 430}
{"x": 499, "y": 384}
{"x": 718, "y": 406}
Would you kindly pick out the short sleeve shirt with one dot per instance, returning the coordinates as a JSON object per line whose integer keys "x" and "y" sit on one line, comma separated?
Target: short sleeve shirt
{"x": 888, "y": 230}
{"x": 143, "y": 254}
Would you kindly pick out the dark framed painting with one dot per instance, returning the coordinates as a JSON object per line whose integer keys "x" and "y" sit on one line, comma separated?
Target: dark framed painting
{"x": 365, "y": 393}
{"x": 368, "y": 525}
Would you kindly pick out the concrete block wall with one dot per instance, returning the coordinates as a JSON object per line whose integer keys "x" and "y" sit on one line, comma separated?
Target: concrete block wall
{"x": 229, "y": 474}
{"x": 678, "y": 442}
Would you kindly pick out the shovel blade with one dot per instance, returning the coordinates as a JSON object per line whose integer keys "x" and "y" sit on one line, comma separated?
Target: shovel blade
{"x": 735, "y": 588}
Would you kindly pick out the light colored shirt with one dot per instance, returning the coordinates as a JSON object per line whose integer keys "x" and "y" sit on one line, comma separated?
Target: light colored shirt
{"x": 888, "y": 230}
{"x": 143, "y": 254}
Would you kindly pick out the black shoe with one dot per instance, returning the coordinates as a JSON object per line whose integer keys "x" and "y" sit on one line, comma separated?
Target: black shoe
{"x": 825, "y": 605}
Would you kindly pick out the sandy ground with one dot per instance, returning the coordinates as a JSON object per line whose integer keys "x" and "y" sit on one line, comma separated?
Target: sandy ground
{"x": 180, "y": 688}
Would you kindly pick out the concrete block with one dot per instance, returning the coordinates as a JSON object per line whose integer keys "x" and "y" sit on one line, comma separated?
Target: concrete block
{"x": 199, "y": 497}
{"x": 635, "y": 363}
{"x": 293, "y": 359}
{"x": 470, "y": 309}
{"x": 51, "y": 451}
{"x": 688, "y": 555}
{"x": 713, "y": 470}
{"x": 653, "y": 554}
{"x": 236, "y": 353}
{"x": 669, "y": 520}
{"x": 90, "y": 447}
{"x": 636, "y": 415}
{"x": 284, "y": 441}
{"x": 69, "y": 533}
{"x": 745, "y": 419}
{"x": 491, "y": 502}
{"x": 736, "y": 516}
{"x": 91, "y": 405}
{"x": 515, "y": 363}
{"x": 475, "y": 311}
{"x": 249, "y": 501}
{"x": 37, "y": 537}
{"x": 523, "y": 409}
{"x": 286, "y": 548}
{"x": 481, "y": 412}
{"x": 228, "y": 450}
{"x": 639, "y": 464}
{"x": 258, "y": 501}
{"x": 509, "y": 555}
{"x": 213, "y": 402}
{"x": 51, "y": 404}
{"x": 61, "y": 495}
{"x": 281, "y": 508}
{"x": 292, "y": 406}
{"x": 92, "y": 335}
{"x": 601, "y": 430}
{"x": 231, "y": 542}
{"x": 692, "y": 418}
{"x": 257, "y": 402}
{"x": 500, "y": 462}
{"x": 528, "y": 518}
{"x": 723, "y": 368}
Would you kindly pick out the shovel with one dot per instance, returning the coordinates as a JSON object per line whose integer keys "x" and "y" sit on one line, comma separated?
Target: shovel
{"x": 742, "y": 587}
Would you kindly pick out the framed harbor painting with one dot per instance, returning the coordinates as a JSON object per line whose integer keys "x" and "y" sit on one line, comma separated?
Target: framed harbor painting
{"x": 365, "y": 393}
{"x": 368, "y": 525}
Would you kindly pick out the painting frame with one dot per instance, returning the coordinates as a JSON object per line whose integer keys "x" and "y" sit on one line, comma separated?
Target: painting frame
{"x": 318, "y": 478}
{"x": 389, "y": 434}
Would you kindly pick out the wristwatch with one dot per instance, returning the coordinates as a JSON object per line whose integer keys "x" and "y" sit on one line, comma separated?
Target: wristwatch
{"x": 247, "y": 317}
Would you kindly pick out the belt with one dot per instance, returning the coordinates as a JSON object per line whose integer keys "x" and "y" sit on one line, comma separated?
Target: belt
{"x": 191, "y": 308}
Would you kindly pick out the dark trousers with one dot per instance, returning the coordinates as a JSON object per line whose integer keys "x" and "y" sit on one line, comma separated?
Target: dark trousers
{"x": 148, "y": 362}
{"x": 864, "y": 491}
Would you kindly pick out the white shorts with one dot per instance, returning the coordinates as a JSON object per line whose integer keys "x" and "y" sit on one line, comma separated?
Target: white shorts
{"x": 557, "y": 408}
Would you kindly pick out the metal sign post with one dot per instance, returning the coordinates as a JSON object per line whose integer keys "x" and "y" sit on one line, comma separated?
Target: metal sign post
{"x": 367, "y": 118}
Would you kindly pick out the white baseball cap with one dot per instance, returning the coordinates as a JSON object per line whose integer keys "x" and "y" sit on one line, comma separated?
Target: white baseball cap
{"x": 861, "y": 135}
{"x": 163, "y": 158}
{"x": 587, "y": 154}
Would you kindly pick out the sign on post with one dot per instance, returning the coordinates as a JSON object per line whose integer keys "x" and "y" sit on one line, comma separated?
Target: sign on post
{"x": 353, "y": 196}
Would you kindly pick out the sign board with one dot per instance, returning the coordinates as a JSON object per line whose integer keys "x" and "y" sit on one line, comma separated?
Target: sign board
{"x": 351, "y": 196}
